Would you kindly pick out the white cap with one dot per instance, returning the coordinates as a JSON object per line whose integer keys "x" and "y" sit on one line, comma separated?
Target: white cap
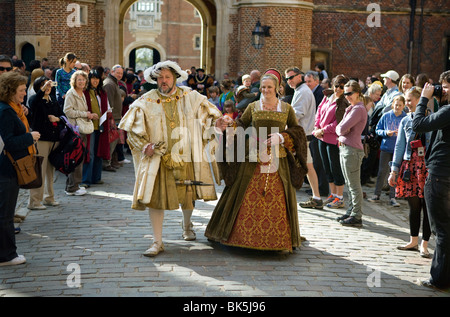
{"x": 392, "y": 74}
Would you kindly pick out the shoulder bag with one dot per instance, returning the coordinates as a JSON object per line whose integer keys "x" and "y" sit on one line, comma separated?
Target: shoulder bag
{"x": 85, "y": 126}
{"x": 29, "y": 170}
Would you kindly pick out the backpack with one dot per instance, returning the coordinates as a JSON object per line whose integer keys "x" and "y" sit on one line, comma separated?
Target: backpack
{"x": 70, "y": 151}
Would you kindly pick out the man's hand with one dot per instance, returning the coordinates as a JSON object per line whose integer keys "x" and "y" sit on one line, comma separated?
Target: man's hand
{"x": 223, "y": 122}
{"x": 428, "y": 90}
{"x": 149, "y": 149}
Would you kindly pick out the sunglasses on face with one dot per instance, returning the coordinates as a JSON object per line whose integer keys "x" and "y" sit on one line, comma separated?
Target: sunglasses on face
{"x": 339, "y": 86}
{"x": 290, "y": 77}
{"x": 8, "y": 69}
{"x": 348, "y": 93}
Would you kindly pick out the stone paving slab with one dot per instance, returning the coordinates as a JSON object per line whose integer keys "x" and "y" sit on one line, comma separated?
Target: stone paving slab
{"x": 100, "y": 237}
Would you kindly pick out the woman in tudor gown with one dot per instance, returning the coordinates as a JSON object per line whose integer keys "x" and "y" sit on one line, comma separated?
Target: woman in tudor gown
{"x": 258, "y": 207}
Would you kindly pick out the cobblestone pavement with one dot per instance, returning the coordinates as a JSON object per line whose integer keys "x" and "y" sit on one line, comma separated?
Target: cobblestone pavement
{"x": 100, "y": 237}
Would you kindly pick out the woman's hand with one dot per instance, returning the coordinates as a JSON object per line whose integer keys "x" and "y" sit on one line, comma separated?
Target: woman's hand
{"x": 52, "y": 118}
{"x": 36, "y": 135}
{"x": 318, "y": 133}
{"x": 392, "y": 180}
{"x": 92, "y": 116}
{"x": 274, "y": 139}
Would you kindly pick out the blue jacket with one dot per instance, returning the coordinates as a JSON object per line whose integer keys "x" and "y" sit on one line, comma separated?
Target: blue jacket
{"x": 388, "y": 121}
{"x": 406, "y": 134}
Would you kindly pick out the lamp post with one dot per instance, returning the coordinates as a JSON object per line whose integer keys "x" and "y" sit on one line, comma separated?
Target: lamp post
{"x": 258, "y": 35}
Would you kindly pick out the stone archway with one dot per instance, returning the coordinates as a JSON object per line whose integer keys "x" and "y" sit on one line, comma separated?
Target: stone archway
{"x": 207, "y": 12}
{"x": 139, "y": 44}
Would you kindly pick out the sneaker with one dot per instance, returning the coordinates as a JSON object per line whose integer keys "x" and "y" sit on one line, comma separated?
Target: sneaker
{"x": 80, "y": 192}
{"x": 312, "y": 203}
{"x": 17, "y": 260}
{"x": 374, "y": 199}
{"x": 339, "y": 219}
{"x": 40, "y": 207}
{"x": 394, "y": 203}
{"x": 125, "y": 161}
{"x": 336, "y": 203}
{"x": 51, "y": 203}
{"x": 352, "y": 222}
{"x": 329, "y": 199}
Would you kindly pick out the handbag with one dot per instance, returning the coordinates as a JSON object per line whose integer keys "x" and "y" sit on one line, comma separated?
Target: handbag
{"x": 113, "y": 133}
{"x": 85, "y": 126}
{"x": 29, "y": 170}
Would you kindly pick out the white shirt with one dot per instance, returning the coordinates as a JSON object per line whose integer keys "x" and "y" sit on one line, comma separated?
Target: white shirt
{"x": 304, "y": 105}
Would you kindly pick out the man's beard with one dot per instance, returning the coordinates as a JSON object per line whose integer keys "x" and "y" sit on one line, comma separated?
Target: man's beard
{"x": 166, "y": 91}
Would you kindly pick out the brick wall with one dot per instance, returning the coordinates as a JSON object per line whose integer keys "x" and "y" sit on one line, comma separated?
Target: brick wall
{"x": 288, "y": 44}
{"x": 359, "y": 50}
{"x": 7, "y": 36}
{"x": 49, "y": 18}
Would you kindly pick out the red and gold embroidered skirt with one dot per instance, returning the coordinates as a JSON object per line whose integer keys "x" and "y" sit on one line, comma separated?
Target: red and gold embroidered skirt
{"x": 262, "y": 221}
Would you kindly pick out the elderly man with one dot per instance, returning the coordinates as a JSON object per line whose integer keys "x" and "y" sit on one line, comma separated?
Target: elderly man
{"x": 111, "y": 86}
{"x": 167, "y": 136}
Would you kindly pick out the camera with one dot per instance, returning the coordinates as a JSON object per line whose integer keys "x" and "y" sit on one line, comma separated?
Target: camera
{"x": 406, "y": 177}
{"x": 416, "y": 144}
{"x": 437, "y": 91}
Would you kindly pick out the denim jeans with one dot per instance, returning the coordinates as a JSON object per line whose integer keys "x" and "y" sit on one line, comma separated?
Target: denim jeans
{"x": 351, "y": 159}
{"x": 92, "y": 170}
{"x": 437, "y": 198}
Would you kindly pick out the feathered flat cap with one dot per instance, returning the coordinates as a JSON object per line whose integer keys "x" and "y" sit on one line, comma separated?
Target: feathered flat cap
{"x": 152, "y": 73}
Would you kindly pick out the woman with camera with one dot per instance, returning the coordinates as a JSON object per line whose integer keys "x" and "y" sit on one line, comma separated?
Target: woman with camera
{"x": 45, "y": 117}
{"x": 408, "y": 174}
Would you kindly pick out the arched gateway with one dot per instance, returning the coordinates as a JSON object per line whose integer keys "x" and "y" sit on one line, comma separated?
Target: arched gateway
{"x": 227, "y": 27}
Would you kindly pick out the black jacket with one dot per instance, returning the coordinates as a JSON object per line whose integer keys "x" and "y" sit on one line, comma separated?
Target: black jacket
{"x": 15, "y": 138}
{"x": 437, "y": 155}
{"x": 40, "y": 110}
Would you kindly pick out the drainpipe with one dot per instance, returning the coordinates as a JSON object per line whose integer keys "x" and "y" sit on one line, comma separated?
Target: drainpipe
{"x": 419, "y": 49}
{"x": 412, "y": 3}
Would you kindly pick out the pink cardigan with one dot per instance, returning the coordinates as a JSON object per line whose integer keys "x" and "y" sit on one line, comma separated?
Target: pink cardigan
{"x": 326, "y": 120}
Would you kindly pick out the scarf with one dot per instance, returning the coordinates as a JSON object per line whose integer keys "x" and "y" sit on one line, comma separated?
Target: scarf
{"x": 21, "y": 114}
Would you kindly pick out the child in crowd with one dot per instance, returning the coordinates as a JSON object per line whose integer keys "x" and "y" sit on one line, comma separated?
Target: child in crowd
{"x": 214, "y": 94}
{"x": 229, "y": 109}
{"x": 387, "y": 128}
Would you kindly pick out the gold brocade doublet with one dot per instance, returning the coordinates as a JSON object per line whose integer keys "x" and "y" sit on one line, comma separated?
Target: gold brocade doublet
{"x": 176, "y": 124}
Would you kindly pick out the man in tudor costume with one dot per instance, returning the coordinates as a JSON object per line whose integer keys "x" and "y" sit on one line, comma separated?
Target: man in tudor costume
{"x": 200, "y": 82}
{"x": 166, "y": 136}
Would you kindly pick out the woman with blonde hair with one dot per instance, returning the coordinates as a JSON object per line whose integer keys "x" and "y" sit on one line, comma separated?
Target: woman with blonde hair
{"x": 258, "y": 208}
{"x": 35, "y": 74}
{"x": 75, "y": 107}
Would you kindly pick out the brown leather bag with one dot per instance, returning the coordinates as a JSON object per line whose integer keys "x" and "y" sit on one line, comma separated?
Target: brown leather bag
{"x": 29, "y": 170}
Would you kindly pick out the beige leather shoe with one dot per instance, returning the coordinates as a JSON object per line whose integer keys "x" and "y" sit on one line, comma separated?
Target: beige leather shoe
{"x": 188, "y": 233}
{"x": 155, "y": 249}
